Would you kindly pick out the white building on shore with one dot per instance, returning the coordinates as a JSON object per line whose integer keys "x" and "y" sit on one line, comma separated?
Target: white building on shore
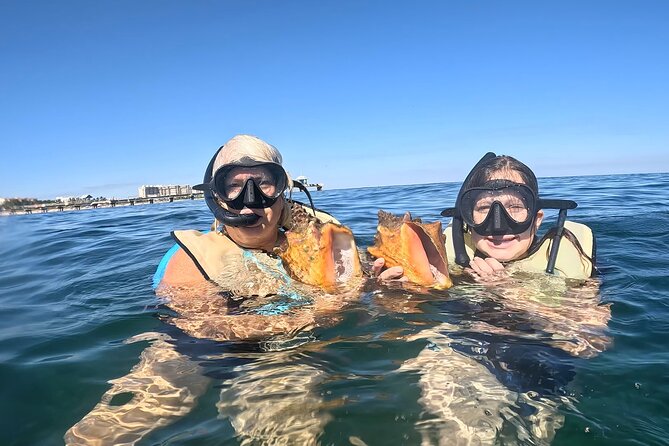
{"x": 80, "y": 199}
{"x": 164, "y": 191}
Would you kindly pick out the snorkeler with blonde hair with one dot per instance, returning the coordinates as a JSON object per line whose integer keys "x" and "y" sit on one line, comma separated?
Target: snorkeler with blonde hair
{"x": 228, "y": 284}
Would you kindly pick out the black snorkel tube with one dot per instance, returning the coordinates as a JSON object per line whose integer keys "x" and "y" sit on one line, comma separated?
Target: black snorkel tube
{"x": 563, "y": 206}
{"x": 303, "y": 188}
{"x": 223, "y": 215}
{"x": 458, "y": 229}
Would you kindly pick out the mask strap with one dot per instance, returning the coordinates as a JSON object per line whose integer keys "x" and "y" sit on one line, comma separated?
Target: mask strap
{"x": 303, "y": 188}
{"x": 457, "y": 229}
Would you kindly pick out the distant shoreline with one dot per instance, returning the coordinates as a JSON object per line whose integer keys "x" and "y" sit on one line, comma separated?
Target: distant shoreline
{"x": 56, "y": 208}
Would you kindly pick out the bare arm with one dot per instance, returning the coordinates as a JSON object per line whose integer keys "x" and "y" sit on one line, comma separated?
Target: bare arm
{"x": 182, "y": 271}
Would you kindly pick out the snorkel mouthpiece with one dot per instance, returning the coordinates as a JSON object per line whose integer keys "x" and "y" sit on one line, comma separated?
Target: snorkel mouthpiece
{"x": 238, "y": 220}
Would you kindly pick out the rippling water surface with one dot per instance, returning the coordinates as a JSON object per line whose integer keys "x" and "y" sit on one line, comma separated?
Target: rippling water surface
{"x": 397, "y": 367}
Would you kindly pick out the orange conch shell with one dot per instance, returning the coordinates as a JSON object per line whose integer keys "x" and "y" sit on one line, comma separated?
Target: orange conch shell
{"x": 419, "y": 248}
{"x": 321, "y": 254}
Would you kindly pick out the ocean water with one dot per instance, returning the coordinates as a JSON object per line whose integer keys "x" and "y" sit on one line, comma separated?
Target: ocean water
{"x": 394, "y": 367}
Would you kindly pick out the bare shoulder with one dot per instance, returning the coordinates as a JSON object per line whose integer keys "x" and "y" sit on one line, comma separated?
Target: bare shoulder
{"x": 181, "y": 270}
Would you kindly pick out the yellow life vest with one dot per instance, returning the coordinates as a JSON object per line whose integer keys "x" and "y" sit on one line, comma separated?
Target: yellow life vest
{"x": 571, "y": 262}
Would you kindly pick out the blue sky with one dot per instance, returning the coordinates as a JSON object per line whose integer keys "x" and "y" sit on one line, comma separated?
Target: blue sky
{"x": 102, "y": 96}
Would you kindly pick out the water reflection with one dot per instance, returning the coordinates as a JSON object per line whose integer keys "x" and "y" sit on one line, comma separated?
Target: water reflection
{"x": 500, "y": 374}
{"x": 162, "y": 387}
{"x": 495, "y": 366}
{"x": 275, "y": 400}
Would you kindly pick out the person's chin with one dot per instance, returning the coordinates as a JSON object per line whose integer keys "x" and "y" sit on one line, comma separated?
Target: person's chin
{"x": 502, "y": 251}
{"x": 249, "y": 237}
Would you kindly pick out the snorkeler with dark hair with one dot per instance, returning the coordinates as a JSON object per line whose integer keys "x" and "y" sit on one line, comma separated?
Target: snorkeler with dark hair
{"x": 496, "y": 217}
{"x": 536, "y": 322}
{"x": 495, "y": 221}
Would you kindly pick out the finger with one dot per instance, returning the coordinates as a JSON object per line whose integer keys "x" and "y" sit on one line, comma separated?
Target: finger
{"x": 473, "y": 267}
{"x": 481, "y": 266}
{"x": 394, "y": 273}
{"x": 470, "y": 270}
{"x": 377, "y": 266}
{"x": 494, "y": 264}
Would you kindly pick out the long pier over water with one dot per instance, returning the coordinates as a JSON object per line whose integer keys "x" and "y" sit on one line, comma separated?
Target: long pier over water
{"x": 114, "y": 202}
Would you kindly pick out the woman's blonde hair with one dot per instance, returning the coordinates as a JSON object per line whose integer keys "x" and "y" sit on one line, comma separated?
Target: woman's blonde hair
{"x": 249, "y": 151}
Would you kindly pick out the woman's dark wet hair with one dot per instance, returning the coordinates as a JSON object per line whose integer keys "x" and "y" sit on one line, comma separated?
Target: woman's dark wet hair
{"x": 502, "y": 163}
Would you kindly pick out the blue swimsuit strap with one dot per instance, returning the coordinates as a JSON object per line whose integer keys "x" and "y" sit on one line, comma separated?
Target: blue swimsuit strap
{"x": 160, "y": 271}
{"x": 278, "y": 273}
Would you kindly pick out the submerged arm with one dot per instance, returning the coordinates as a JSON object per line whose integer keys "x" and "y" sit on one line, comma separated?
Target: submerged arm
{"x": 163, "y": 387}
{"x": 575, "y": 317}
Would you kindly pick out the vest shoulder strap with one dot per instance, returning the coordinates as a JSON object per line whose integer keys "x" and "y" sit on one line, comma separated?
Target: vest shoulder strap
{"x": 574, "y": 258}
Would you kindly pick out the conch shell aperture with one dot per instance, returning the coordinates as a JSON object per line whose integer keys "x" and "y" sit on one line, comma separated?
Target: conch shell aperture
{"x": 419, "y": 248}
{"x": 322, "y": 254}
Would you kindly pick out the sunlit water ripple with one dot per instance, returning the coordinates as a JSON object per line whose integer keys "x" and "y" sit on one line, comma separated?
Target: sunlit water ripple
{"x": 77, "y": 285}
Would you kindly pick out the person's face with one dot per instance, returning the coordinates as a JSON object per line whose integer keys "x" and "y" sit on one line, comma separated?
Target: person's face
{"x": 262, "y": 234}
{"x": 509, "y": 246}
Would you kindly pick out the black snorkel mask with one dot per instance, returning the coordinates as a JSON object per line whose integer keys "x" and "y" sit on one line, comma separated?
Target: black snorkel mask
{"x": 499, "y": 207}
{"x": 256, "y": 193}
{"x": 251, "y": 195}
{"x": 508, "y": 208}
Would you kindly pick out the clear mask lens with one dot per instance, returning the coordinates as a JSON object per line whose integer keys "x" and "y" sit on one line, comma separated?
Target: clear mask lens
{"x": 507, "y": 208}
{"x": 479, "y": 204}
{"x": 269, "y": 179}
